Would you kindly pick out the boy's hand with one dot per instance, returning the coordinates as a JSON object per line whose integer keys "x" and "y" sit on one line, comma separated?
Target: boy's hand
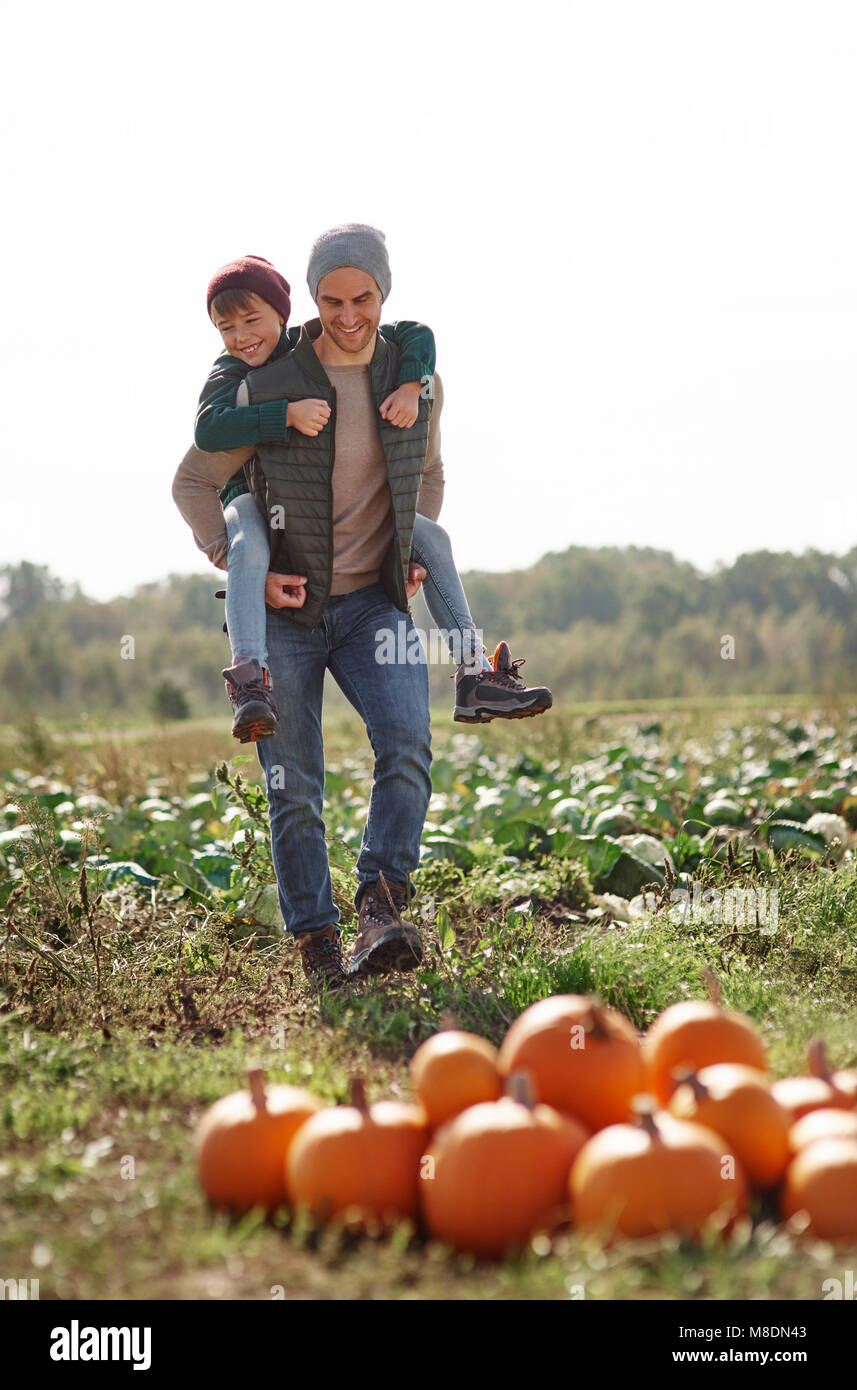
{"x": 402, "y": 407}
{"x": 307, "y": 417}
{"x": 285, "y": 590}
{"x": 416, "y": 575}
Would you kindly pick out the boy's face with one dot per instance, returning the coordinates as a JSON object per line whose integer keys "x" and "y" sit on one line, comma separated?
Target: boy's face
{"x": 250, "y": 333}
{"x": 349, "y": 306}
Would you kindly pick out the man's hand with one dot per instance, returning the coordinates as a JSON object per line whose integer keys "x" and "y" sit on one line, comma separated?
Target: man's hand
{"x": 416, "y": 575}
{"x": 402, "y": 407}
{"x": 308, "y": 417}
{"x": 285, "y": 590}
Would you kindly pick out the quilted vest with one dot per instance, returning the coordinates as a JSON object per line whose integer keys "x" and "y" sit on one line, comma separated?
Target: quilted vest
{"x": 292, "y": 481}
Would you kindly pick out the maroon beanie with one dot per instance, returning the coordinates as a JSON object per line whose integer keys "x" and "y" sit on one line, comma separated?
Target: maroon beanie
{"x": 256, "y": 274}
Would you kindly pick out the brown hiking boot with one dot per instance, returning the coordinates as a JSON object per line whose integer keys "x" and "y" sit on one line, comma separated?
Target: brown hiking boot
{"x": 322, "y": 958}
{"x": 385, "y": 941}
{"x": 481, "y": 696}
{"x": 248, "y": 686}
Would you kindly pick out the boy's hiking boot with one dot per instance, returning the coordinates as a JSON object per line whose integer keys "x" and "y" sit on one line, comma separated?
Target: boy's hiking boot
{"x": 248, "y": 686}
{"x": 481, "y": 695}
{"x": 385, "y": 941}
{"x": 322, "y": 958}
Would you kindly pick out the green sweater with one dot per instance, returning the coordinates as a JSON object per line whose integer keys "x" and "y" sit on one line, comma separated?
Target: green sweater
{"x": 222, "y": 425}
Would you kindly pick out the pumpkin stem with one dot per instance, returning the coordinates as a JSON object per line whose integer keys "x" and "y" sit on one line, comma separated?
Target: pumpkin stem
{"x": 687, "y": 1076}
{"x": 256, "y": 1077}
{"x": 519, "y": 1087}
{"x": 358, "y": 1094}
{"x": 594, "y": 1024}
{"x": 818, "y": 1061}
{"x": 644, "y": 1107}
{"x": 713, "y": 984}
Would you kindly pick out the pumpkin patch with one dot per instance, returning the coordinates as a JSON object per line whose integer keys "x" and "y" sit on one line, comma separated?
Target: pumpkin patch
{"x": 556, "y": 1127}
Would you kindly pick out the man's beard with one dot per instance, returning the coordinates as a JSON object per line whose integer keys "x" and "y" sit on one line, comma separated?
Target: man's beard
{"x": 352, "y": 344}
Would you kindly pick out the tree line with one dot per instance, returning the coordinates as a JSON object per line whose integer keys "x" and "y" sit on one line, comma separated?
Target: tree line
{"x": 608, "y": 623}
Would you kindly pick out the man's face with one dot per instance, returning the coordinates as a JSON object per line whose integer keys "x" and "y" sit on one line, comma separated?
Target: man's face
{"x": 349, "y": 306}
{"x": 250, "y": 333}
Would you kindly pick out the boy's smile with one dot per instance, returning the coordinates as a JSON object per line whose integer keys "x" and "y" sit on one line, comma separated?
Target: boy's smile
{"x": 250, "y": 332}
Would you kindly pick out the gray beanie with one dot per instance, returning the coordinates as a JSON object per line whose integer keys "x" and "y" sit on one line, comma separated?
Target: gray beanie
{"x": 352, "y": 244}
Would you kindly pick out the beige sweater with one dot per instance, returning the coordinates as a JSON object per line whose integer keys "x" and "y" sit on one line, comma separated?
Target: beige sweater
{"x": 362, "y": 519}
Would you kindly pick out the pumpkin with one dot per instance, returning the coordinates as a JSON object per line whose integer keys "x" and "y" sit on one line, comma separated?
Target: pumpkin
{"x": 497, "y": 1173}
{"x": 451, "y": 1071}
{"x": 359, "y": 1162}
{"x": 800, "y": 1095}
{"x": 698, "y": 1034}
{"x": 583, "y": 1057}
{"x": 822, "y": 1182}
{"x": 736, "y": 1102}
{"x": 658, "y": 1175}
{"x": 822, "y": 1124}
{"x": 242, "y": 1142}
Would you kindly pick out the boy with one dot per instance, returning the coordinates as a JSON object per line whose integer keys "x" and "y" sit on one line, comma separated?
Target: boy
{"x": 248, "y": 302}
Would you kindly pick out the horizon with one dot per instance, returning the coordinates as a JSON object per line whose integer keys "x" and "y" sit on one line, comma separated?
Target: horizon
{"x": 701, "y": 572}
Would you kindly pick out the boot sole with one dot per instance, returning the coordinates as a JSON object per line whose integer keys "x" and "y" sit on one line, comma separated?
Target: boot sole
{"x": 256, "y": 729}
{"x": 393, "y": 952}
{"x": 481, "y": 715}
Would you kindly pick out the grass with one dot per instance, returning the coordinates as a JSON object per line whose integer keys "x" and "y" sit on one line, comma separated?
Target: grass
{"x": 103, "y": 1078}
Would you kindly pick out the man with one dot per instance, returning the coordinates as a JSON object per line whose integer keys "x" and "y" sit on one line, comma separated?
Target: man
{"x": 348, "y": 530}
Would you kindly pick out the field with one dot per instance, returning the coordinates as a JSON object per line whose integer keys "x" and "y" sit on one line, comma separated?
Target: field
{"x": 143, "y": 967}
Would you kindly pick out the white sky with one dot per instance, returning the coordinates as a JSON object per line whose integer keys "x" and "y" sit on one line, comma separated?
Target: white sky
{"x": 632, "y": 227}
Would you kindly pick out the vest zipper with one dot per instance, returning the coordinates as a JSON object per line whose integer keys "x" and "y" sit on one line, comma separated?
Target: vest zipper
{"x": 332, "y": 423}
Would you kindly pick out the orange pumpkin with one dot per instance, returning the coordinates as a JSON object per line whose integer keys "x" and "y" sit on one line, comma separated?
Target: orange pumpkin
{"x": 660, "y": 1174}
{"x": 822, "y": 1124}
{"x": 497, "y": 1172}
{"x": 821, "y": 1090}
{"x": 697, "y": 1034}
{"x": 736, "y": 1102}
{"x": 822, "y": 1182}
{"x": 584, "y": 1058}
{"x": 242, "y": 1142}
{"x": 358, "y": 1162}
{"x": 451, "y": 1071}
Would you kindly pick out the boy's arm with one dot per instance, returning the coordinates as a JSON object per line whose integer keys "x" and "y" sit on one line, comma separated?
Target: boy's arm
{"x": 430, "y": 498}
{"x": 221, "y": 425}
{"x": 196, "y": 488}
{"x": 415, "y": 342}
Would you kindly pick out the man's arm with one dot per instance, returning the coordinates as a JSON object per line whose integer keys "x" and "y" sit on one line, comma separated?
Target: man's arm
{"x": 430, "y": 499}
{"x": 222, "y": 425}
{"x": 195, "y": 492}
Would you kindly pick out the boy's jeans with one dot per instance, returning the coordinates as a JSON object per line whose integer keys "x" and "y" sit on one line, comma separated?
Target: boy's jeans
{"x": 248, "y": 561}
{"x": 392, "y": 700}
{"x": 443, "y": 590}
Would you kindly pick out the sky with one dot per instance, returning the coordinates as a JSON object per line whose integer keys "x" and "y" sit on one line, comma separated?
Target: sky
{"x": 632, "y": 227}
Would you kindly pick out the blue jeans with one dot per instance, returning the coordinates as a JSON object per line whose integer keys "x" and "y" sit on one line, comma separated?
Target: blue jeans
{"x": 392, "y": 701}
{"x": 248, "y": 560}
{"x": 443, "y": 590}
